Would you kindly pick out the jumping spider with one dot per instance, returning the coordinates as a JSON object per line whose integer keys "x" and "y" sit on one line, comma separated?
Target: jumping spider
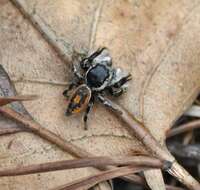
{"x": 93, "y": 77}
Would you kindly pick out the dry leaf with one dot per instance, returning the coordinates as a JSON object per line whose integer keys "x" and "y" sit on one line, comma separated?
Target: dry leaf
{"x": 8, "y": 90}
{"x": 157, "y": 41}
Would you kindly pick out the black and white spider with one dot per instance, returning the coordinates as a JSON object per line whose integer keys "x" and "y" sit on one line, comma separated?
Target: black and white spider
{"x": 93, "y": 77}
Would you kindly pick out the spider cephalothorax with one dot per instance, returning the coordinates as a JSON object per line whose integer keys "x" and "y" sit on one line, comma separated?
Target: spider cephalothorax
{"x": 93, "y": 77}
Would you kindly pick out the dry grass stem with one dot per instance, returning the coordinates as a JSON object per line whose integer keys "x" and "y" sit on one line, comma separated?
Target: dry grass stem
{"x": 8, "y": 131}
{"x": 184, "y": 128}
{"x": 143, "y": 161}
{"x": 88, "y": 182}
{"x": 7, "y": 100}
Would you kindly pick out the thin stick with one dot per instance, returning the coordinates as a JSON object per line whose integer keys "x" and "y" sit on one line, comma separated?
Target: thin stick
{"x": 26, "y": 80}
{"x": 170, "y": 187}
{"x": 7, "y": 131}
{"x": 36, "y": 128}
{"x": 9, "y": 99}
{"x": 184, "y": 128}
{"x": 88, "y": 182}
{"x": 143, "y": 161}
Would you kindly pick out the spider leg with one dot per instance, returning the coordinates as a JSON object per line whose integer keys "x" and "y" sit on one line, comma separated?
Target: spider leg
{"x": 102, "y": 57}
{"x": 98, "y": 56}
{"x": 88, "y": 109}
{"x": 116, "y": 92}
{"x": 122, "y": 81}
{"x": 69, "y": 88}
{"x": 96, "y": 53}
{"x": 76, "y": 81}
{"x": 77, "y": 72}
{"x": 118, "y": 84}
{"x": 107, "y": 103}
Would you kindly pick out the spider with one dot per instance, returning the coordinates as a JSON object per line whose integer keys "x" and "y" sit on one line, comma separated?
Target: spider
{"x": 93, "y": 77}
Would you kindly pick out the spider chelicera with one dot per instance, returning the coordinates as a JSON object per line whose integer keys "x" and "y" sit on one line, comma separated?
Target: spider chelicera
{"x": 93, "y": 77}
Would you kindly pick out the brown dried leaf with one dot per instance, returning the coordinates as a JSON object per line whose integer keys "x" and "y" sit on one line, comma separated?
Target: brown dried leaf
{"x": 157, "y": 41}
{"x": 8, "y": 90}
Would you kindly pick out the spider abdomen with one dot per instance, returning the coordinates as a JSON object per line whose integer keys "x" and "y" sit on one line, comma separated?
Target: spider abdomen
{"x": 97, "y": 75}
{"x": 79, "y": 100}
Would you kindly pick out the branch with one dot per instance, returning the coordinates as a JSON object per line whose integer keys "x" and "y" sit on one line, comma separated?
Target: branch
{"x": 7, "y": 131}
{"x": 184, "y": 128}
{"x": 170, "y": 187}
{"x": 10, "y": 99}
{"x": 88, "y": 182}
{"x": 143, "y": 161}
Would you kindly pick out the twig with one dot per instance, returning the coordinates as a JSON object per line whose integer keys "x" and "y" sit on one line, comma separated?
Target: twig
{"x": 7, "y": 131}
{"x": 7, "y": 100}
{"x": 184, "y": 128}
{"x": 40, "y": 81}
{"x": 53, "y": 138}
{"x": 143, "y": 161}
{"x": 88, "y": 182}
{"x": 187, "y": 138}
{"x": 170, "y": 187}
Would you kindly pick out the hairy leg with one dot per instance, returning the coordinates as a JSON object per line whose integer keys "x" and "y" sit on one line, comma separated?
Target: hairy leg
{"x": 86, "y": 63}
{"x": 69, "y": 88}
{"x": 122, "y": 81}
{"x": 116, "y": 91}
{"x": 77, "y": 72}
{"x": 90, "y": 105}
{"x": 96, "y": 53}
{"x": 76, "y": 80}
